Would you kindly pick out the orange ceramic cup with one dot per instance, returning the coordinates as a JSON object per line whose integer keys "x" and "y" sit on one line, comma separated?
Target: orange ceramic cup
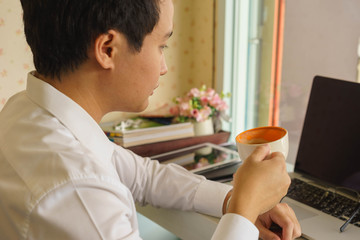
{"x": 275, "y": 137}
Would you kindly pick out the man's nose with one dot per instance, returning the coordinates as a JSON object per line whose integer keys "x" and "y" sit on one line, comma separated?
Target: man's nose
{"x": 163, "y": 69}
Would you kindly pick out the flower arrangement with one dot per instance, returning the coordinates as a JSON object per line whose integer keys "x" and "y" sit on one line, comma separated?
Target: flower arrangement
{"x": 199, "y": 105}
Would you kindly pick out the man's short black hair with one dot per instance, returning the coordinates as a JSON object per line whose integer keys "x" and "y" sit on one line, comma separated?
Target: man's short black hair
{"x": 60, "y": 32}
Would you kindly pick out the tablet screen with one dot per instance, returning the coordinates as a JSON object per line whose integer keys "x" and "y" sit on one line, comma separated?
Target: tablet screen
{"x": 200, "y": 158}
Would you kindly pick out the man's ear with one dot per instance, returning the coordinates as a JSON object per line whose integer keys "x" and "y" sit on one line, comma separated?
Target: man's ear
{"x": 104, "y": 49}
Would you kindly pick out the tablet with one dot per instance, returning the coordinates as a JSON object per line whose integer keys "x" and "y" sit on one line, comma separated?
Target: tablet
{"x": 200, "y": 158}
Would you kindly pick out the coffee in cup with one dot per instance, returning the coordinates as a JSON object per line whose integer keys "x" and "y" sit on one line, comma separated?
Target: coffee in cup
{"x": 275, "y": 137}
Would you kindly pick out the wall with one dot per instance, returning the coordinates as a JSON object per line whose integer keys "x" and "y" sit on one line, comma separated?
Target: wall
{"x": 15, "y": 55}
{"x": 320, "y": 38}
{"x": 189, "y": 57}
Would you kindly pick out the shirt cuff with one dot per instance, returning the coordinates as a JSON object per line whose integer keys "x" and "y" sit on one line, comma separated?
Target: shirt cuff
{"x": 234, "y": 226}
{"x": 210, "y": 196}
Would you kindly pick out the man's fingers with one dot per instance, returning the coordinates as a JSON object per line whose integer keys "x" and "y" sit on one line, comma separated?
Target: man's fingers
{"x": 267, "y": 234}
{"x": 275, "y": 155}
{"x": 288, "y": 222}
{"x": 260, "y": 153}
{"x": 288, "y": 229}
{"x": 297, "y": 227}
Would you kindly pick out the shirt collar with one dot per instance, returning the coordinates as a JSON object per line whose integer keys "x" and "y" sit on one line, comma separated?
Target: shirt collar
{"x": 71, "y": 115}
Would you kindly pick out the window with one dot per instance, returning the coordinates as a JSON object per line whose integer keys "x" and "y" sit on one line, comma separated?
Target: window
{"x": 247, "y": 51}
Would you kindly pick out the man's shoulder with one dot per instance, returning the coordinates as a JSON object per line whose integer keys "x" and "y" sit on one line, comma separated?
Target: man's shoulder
{"x": 19, "y": 113}
{"x": 38, "y": 150}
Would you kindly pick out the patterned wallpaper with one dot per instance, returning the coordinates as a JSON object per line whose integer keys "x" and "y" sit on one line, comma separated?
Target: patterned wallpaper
{"x": 189, "y": 56}
{"x": 15, "y": 55}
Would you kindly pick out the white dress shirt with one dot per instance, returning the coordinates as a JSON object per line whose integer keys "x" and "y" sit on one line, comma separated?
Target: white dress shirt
{"x": 61, "y": 178}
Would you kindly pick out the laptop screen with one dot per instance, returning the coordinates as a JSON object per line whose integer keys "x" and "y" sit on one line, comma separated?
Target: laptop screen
{"x": 329, "y": 147}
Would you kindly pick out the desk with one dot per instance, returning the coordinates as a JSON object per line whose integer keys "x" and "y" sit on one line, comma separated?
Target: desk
{"x": 185, "y": 225}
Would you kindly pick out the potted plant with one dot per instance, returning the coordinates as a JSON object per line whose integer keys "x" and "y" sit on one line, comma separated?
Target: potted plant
{"x": 203, "y": 107}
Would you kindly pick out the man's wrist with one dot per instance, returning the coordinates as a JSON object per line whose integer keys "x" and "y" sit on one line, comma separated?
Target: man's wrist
{"x": 242, "y": 205}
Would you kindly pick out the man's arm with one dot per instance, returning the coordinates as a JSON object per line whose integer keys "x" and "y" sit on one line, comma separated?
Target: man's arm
{"x": 87, "y": 208}
{"x": 169, "y": 186}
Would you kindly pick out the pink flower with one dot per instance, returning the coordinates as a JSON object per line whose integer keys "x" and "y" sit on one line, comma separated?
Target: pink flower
{"x": 194, "y": 92}
{"x": 203, "y": 114}
{"x": 218, "y": 103}
{"x": 195, "y": 113}
{"x": 204, "y": 101}
{"x": 174, "y": 110}
{"x": 216, "y": 100}
{"x": 185, "y": 109}
{"x": 210, "y": 93}
{"x": 198, "y": 104}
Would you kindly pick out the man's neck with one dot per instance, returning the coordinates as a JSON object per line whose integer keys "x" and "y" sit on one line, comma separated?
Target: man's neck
{"x": 81, "y": 88}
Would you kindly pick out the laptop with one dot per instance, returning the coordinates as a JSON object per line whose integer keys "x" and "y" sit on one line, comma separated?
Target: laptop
{"x": 326, "y": 180}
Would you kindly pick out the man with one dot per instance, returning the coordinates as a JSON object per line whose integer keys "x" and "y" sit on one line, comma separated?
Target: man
{"x": 60, "y": 177}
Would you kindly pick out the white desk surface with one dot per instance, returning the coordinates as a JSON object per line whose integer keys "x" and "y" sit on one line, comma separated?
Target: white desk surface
{"x": 185, "y": 225}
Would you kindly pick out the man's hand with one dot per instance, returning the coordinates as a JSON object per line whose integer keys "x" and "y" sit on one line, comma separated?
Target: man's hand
{"x": 259, "y": 184}
{"x": 284, "y": 217}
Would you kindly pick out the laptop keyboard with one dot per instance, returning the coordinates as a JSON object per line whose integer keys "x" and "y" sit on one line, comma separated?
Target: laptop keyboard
{"x": 326, "y": 201}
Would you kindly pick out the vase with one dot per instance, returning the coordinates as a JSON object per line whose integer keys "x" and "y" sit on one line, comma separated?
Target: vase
{"x": 204, "y": 128}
